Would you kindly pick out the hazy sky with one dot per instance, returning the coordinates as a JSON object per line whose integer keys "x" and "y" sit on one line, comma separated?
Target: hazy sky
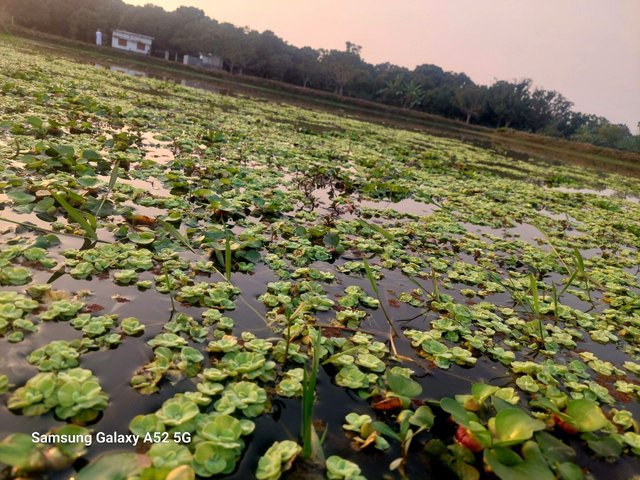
{"x": 589, "y": 50}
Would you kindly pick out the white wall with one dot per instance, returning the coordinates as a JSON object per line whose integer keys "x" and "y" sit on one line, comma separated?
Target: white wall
{"x": 132, "y": 45}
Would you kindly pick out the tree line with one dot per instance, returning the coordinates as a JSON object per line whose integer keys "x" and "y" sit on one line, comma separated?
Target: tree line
{"x": 427, "y": 88}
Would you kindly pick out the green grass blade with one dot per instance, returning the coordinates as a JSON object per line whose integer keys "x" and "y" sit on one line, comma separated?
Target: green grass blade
{"x": 308, "y": 397}
{"x": 77, "y": 216}
{"x": 227, "y": 258}
{"x": 171, "y": 230}
{"x": 112, "y": 183}
{"x": 378, "y": 229}
{"x": 369, "y": 273}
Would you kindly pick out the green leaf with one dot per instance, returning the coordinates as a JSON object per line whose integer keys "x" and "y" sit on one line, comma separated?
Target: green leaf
{"x": 331, "y": 240}
{"x": 403, "y": 385}
{"x": 35, "y": 122}
{"x": 62, "y": 151}
{"x": 586, "y": 415}
{"x": 176, "y": 234}
{"x": 482, "y": 391}
{"x": 378, "y": 229}
{"x": 423, "y": 417}
{"x": 76, "y": 216}
{"x": 20, "y": 196}
{"x": 570, "y": 471}
{"x": 384, "y": 429}
{"x": 88, "y": 181}
{"x": 90, "y": 155}
{"x": 554, "y": 450}
{"x": 114, "y": 466}
{"x": 513, "y": 426}
{"x": 508, "y": 465}
{"x": 18, "y": 450}
{"x": 608, "y": 446}
{"x": 142, "y": 238}
{"x": 457, "y": 411}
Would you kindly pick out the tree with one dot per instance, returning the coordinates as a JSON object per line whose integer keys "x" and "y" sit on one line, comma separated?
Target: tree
{"x": 83, "y": 24}
{"x": 343, "y": 66}
{"x": 234, "y": 47}
{"x": 470, "y": 99}
{"x": 508, "y": 101}
{"x": 272, "y": 57}
{"x": 548, "y": 109}
{"x": 393, "y": 90}
{"x": 306, "y": 63}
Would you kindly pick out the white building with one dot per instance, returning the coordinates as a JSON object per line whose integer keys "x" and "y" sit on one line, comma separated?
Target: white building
{"x": 209, "y": 61}
{"x": 132, "y": 42}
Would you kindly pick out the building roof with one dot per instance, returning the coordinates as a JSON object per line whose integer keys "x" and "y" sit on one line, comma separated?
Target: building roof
{"x": 139, "y": 35}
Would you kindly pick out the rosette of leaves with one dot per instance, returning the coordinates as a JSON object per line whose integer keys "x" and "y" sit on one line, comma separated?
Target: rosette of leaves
{"x": 247, "y": 365}
{"x": 75, "y": 394}
{"x": 169, "y": 455}
{"x": 178, "y": 411}
{"x": 350, "y": 318}
{"x": 362, "y": 425}
{"x": 352, "y": 377}
{"x": 313, "y": 274}
{"x": 172, "y": 358}
{"x": 219, "y": 443}
{"x": 56, "y": 355}
{"x": 190, "y": 361}
{"x": 247, "y": 397}
{"x": 292, "y": 351}
{"x": 214, "y": 295}
{"x": 14, "y": 275}
{"x": 291, "y": 383}
{"x": 340, "y": 469}
{"x": 13, "y": 308}
{"x": 79, "y": 396}
{"x": 354, "y": 296}
{"x": 125, "y": 277}
{"x": 93, "y": 327}
{"x": 61, "y": 310}
{"x": 143, "y": 424}
{"x": 184, "y": 323}
{"x": 444, "y": 356}
{"x": 214, "y": 317}
{"x": 131, "y": 326}
{"x": 225, "y": 344}
{"x": 39, "y": 255}
{"x": 254, "y": 344}
{"x": 277, "y": 460}
{"x": 28, "y": 458}
{"x": 37, "y": 396}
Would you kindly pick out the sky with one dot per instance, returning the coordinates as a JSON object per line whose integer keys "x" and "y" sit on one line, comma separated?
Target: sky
{"x": 588, "y": 50}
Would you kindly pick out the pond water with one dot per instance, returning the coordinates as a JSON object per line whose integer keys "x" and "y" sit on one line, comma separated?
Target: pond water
{"x": 605, "y": 192}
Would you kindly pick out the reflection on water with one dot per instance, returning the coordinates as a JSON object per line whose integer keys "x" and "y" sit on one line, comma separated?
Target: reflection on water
{"x": 157, "y": 150}
{"x": 408, "y": 206}
{"x": 128, "y": 71}
{"x": 523, "y": 231}
{"x": 606, "y": 192}
{"x": 200, "y": 85}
